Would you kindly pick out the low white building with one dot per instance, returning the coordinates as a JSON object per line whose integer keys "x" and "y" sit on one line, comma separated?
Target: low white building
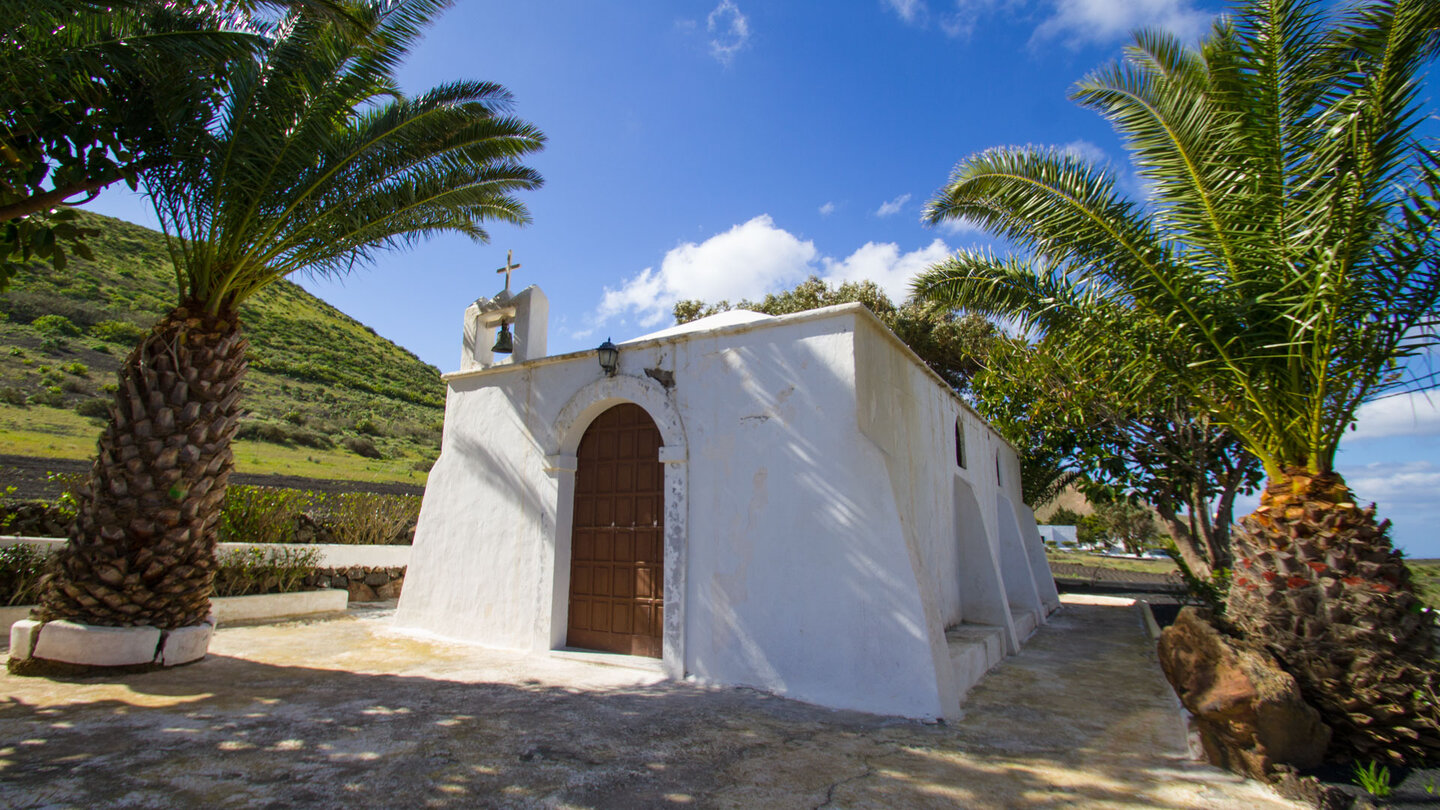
{"x": 796, "y": 504}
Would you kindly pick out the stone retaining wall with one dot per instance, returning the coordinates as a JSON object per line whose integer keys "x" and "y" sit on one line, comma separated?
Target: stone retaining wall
{"x": 365, "y": 584}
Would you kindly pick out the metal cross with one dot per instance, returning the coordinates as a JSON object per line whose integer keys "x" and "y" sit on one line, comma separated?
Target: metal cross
{"x": 510, "y": 267}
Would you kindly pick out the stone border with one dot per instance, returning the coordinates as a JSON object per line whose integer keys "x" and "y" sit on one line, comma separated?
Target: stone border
{"x": 35, "y": 645}
{"x": 229, "y": 608}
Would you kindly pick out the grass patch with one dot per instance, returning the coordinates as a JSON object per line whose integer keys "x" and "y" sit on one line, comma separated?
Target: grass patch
{"x": 330, "y": 381}
{"x": 1113, "y": 563}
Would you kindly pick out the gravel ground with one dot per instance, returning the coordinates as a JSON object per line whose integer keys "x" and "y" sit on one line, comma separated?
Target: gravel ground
{"x": 350, "y": 713}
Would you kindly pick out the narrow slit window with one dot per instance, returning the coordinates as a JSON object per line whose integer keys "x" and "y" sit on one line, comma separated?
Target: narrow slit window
{"x": 959, "y": 444}
{"x": 999, "y": 479}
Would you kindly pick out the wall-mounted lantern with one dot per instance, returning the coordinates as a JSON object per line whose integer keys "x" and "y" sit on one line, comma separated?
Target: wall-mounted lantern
{"x": 609, "y": 357}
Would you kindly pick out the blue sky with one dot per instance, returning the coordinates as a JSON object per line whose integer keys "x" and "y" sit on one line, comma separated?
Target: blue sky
{"x": 728, "y": 148}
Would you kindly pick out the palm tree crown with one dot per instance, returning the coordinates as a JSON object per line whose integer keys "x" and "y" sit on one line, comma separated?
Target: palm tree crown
{"x": 317, "y": 161}
{"x": 1288, "y": 249}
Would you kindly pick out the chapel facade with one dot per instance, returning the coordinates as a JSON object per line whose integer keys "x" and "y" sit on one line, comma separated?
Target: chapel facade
{"x": 795, "y": 504}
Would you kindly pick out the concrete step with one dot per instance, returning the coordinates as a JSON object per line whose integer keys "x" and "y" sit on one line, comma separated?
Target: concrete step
{"x": 1026, "y": 621}
{"x": 974, "y": 650}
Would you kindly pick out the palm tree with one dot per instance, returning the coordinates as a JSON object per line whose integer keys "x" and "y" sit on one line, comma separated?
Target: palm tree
{"x": 314, "y": 162}
{"x": 1282, "y": 271}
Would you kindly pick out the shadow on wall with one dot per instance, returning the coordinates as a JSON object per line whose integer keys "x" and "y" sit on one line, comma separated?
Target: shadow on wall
{"x": 781, "y": 481}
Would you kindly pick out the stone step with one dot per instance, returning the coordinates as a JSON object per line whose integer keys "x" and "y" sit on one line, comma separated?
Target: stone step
{"x": 974, "y": 650}
{"x": 1026, "y": 622}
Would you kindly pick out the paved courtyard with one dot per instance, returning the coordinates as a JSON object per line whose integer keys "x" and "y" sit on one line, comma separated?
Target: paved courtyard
{"x": 348, "y": 713}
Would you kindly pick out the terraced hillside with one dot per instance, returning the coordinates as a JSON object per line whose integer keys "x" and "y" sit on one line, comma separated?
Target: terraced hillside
{"x": 327, "y": 397}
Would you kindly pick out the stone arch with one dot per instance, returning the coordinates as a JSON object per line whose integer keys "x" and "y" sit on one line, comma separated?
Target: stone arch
{"x": 569, "y": 427}
{"x": 596, "y": 397}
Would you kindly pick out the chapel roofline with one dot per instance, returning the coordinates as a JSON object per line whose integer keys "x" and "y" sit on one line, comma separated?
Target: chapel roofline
{"x": 860, "y": 311}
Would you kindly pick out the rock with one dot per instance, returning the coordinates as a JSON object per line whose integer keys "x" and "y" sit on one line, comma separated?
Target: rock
{"x": 360, "y": 592}
{"x": 376, "y": 578}
{"x": 390, "y": 590}
{"x": 1250, "y": 713}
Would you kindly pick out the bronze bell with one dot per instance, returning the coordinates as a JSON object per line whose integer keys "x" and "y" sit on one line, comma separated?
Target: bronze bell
{"x": 503, "y": 343}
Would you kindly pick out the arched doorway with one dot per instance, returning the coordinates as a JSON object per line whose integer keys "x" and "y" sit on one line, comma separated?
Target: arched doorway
{"x": 617, "y": 549}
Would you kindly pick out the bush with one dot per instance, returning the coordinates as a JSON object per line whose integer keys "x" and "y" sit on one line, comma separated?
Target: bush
{"x": 244, "y": 572}
{"x": 118, "y": 332}
{"x": 52, "y": 396}
{"x": 21, "y": 568}
{"x": 362, "y": 447}
{"x": 10, "y": 395}
{"x": 262, "y": 514}
{"x": 55, "y": 326}
{"x": 77, "y": 368}
{"x": 367, "y": 426}
{"x": 94, "y": 408}
{"x": 368, "y": 518}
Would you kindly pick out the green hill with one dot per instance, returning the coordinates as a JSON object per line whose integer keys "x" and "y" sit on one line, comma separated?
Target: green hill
{"x": 326, "y": 396}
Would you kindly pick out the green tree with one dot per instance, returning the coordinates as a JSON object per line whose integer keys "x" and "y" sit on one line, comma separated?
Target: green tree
{"x": 1131, "y": 524}
{"x": 89, "y": 92}
{"x": 1285, "y": 267}
{"x": 315, "y": 162}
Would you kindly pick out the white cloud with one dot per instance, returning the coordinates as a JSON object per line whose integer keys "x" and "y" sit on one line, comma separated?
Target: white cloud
{"x": 893, "y": 207}
{"x": 911, "y": 11}
{"x": 1413, "y": 414}
{"x": 827, "y": 209}
{"x": 1086, "y": 151}
{"x": 746, "y": 261}
{"x": 884, "y": 264}
{"x": 729, "y": 30}
{"x": 962, "y": 227}
{"x": 1078, "y": 22}
{"x": 753, "y": 259}
{"x": 1395, "y": 484}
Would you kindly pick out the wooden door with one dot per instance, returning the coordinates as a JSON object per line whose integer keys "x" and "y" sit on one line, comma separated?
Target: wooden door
{"x": 617, "y": 547}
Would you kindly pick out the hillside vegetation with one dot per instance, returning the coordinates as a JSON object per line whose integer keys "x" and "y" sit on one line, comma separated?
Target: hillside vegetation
{"x": 326, "y": 396}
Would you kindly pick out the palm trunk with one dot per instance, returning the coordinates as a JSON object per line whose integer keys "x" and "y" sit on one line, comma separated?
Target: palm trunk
{"x": 142, "y": 550}
{"x": 1317, "y": 581}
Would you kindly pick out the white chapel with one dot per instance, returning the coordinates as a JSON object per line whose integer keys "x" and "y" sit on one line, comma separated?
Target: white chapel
{"x": 795, "y": 504}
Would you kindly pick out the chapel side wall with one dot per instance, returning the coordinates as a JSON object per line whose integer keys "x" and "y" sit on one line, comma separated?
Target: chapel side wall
{"x": 799, "y": 578}
{"x": 488, "y": 508}
{"x": 912, "y": 417}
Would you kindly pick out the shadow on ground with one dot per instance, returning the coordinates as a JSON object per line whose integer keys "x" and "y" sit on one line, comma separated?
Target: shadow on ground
{"x": 348, "y": 713}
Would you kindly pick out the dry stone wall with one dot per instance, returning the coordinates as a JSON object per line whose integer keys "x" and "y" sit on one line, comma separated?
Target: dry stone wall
{"x": 365, "y": 584}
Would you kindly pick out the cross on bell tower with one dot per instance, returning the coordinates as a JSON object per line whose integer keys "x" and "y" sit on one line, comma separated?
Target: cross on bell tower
{"x": 510, "y": 267}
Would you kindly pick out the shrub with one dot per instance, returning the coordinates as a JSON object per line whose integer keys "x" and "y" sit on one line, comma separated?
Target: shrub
{"x": 261, "y": 514}
{"x": 244, "y": 572}
{"x": 21, "y": 568}
{"x": 293, "y": 417}
{"x": 10, "y": 395}
{"x": 77, "y": 368}
{"x": 94, "y": 407}
{"x": 118, "y": 332}
{"x": 367, "y": 426}
{"x": 368, "y": 518}
{"x": 100, "y": 347}
{"x": 362, "y": 447}
{"x": 16, "y": 351}
{"x": 74, "y": 386}
{"x": 52, "y": 396}
{"x": 55, "y": 326}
